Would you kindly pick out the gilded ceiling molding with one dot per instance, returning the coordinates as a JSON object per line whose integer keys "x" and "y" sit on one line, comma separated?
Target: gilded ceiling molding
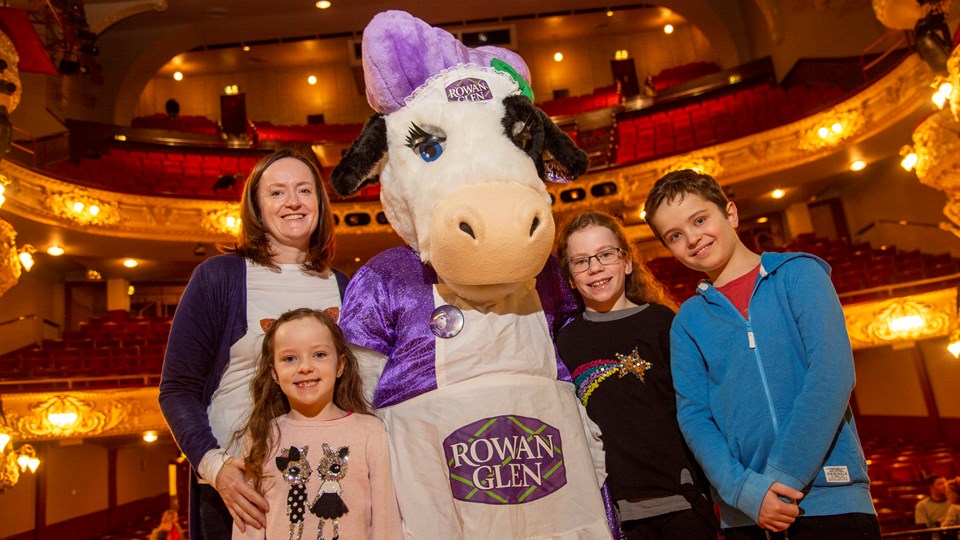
{"x": 702, "y": 163}
{"x": 122, "y": 10}
{"x": 9, "y": 261}
{"x": 81, "y": 414}
{"x": 903, "y": 319}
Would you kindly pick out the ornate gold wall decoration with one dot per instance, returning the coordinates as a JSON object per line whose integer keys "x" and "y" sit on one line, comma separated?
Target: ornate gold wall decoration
{"x": 224, "y": 221}
{"x": 80, "y": 206}
{"x": 936, "y": 140}
{"x": 909, "y": 318}
{"x": 8, "y": 52}
{"x": 953, "y": 77}
{"x": 702, "y": 163}
{"x": 828, "y": 129}
{"x": 65, "y": 415}
{"x": 9, "y": 260}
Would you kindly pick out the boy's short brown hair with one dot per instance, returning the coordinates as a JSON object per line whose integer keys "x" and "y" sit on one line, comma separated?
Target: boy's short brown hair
{"x": 677, "y": 184}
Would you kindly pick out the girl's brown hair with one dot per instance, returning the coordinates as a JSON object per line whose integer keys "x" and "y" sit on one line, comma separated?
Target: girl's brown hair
{"x": 641, "y": 286}
{"x": 269, "y": 402}
{"x": 252, "y": 241}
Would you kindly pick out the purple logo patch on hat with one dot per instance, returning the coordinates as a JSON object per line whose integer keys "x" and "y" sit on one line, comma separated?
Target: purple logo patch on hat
{"x": 469, "y": 89}
{"x": 505, "y": 460}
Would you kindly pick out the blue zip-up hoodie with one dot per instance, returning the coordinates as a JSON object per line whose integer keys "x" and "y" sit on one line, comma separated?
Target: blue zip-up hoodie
{"x": 765, "y": 399}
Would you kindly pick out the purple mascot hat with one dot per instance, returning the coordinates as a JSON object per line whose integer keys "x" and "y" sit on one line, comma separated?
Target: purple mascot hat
{"x": 401, "y": 52}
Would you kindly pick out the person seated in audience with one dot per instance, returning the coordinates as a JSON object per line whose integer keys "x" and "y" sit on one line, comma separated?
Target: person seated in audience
{"x": 169, "y": 528}
{"x": 953, "y": 496}
{"x": 931, "y": 511}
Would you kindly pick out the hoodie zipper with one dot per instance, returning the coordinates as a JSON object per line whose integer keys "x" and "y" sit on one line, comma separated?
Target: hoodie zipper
{"x": 752, "y": 341}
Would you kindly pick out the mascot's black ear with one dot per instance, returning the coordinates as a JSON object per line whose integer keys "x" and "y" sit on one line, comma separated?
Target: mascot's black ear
{"x": 556, "y": 156}
{"x": 362, "y": 163}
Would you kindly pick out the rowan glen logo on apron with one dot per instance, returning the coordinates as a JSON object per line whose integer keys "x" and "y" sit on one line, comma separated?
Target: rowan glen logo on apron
{"x": 505, "y": 460}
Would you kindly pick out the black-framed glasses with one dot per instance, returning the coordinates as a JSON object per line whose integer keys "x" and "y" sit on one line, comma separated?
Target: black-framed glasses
{"x": 606, "y": 257}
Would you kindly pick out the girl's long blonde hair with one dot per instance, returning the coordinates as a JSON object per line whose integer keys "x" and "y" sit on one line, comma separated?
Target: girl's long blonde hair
{"x": 641, "y": 286}
{"x": 269, "y": 402}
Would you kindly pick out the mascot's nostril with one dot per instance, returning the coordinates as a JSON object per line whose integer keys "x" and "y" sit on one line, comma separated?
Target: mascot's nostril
{"x": 465, "y": 227}
{"x": 534, "y": 225}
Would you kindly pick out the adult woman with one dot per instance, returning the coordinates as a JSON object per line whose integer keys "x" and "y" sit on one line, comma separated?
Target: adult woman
{"x": 280, "y": 261}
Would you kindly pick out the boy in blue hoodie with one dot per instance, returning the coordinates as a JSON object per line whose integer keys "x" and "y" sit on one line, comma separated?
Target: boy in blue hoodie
{"x": 763, "y": 372}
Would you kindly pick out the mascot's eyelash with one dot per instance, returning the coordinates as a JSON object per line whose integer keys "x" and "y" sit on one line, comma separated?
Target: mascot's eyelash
{"x": 417, "y": 136}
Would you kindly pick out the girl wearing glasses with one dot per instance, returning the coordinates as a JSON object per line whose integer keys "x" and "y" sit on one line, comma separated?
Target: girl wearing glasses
{"x": 617, "y": 350}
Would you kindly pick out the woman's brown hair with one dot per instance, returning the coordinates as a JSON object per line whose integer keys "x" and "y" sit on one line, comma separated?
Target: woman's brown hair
{"x": 641, "y": 286}
{"x": 252, "y": 242}
{"x": 269, "y": 401}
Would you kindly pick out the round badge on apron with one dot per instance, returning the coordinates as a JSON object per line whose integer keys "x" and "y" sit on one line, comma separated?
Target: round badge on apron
{"x": 446, "y": 321}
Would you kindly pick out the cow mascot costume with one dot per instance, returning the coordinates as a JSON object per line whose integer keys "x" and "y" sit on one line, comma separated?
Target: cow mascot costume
{"x": 487, "y": 437}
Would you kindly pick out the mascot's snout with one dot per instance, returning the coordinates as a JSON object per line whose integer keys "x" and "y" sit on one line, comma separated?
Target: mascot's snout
{"x": 492, "y": 233}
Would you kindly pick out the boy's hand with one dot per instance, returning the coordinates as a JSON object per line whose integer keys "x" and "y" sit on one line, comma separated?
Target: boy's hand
{"x": 775, "y": 514}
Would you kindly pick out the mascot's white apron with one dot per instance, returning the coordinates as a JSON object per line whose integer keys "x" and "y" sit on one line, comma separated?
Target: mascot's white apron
{"x": 500, "y": 432}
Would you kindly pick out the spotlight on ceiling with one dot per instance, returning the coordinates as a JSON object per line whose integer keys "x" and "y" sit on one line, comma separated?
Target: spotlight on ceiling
{"x": 933, "y": 42}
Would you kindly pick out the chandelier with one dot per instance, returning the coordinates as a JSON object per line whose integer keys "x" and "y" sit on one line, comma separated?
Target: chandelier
{"x": 14, "y": 462}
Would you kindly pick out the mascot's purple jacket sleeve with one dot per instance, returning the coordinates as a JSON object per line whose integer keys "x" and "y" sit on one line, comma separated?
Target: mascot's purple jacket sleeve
{"x": 387, "y": 309}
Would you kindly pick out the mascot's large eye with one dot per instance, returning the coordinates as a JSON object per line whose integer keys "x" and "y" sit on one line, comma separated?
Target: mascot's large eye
{"x": 429, "y": 146}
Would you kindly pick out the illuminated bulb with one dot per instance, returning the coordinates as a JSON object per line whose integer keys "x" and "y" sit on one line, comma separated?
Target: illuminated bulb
{"x": 906, "y": 324}
{"x": 312, "y": 79}
{"x": 62, "y": 420}
{"x": 668, "y": 29}
{"x": 323, "y": 4}
{"x": 94, "y": 210}
{"x": 177, "y": 76}
{"x": 120, "y": 137}
{"x": 643, "y": 214}
{"x": 823, "y": 132}
{"x": 26, "y": 260}
{"x": 356, "y": 259}
{"x": 557, "y": 56}
{"x": 130, "y": 290}
{"x": 837, "y": 127}
{"x": 130, "y": 263}
{"x": 954, "y": 349}
{"x": 909, "y": 161}
{"x": 78, "y": 206}
{"x": 246, "y": 48}
{"x": 778, "y": 193}
{"x": 231, "y": 221}
{"x": 33, "y": 463}
{"x": 763, "y": 219}
{"x": 942, "y": 94}
{"x": 150, "y": 436}
{"x": 24, "y": 462}
{"x": 55, "y": 250}
{"x": 2, "y": 198}
{"x": 609, "y": 13}
{"x": 4, "y": 440}
{"x": 858, "y": 165}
